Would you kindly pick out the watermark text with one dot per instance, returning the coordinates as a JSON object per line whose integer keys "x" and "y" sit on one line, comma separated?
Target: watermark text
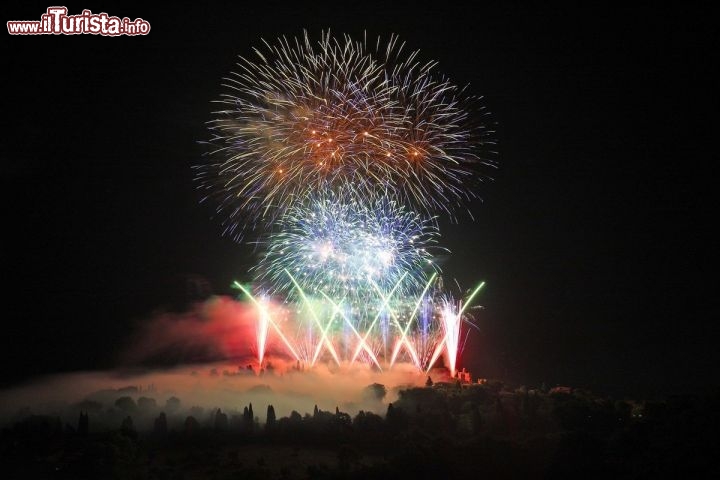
{"x": 56, "y": 21}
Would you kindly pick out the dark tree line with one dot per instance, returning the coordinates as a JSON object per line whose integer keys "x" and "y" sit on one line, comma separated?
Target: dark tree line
{"x": 439, "y": 431}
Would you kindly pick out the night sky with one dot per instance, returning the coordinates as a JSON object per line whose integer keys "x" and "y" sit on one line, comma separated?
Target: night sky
{"x": 593, "y": 239}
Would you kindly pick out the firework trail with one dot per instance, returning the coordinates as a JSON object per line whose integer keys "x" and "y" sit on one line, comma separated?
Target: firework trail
{"x": 452, "y": 316}
{"x": 321, "y": 328}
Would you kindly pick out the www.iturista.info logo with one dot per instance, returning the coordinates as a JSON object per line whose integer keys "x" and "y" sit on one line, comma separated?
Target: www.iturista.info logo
{"x": 56, "y": 21}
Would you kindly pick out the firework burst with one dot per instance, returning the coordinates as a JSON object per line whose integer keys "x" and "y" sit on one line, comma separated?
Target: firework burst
{"x": 349, "y": 248}
{"x": 304, "y": 117}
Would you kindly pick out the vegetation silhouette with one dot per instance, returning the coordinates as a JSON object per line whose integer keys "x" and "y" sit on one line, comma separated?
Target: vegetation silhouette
{"x": 437, "y": 431}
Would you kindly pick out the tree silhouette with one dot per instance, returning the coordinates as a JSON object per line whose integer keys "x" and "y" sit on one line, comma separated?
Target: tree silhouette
{"x": 248, "y": 419}
{"x": 172, "y": 404}
{"x": 221, "y": 421}
{"x": 395, "y": 419}
{"x": 270, "y": 421}
{"x": 83, "y": 425}
{"x": 126, "y": 404}
{"x": 146, "y": 403}
{"x": 160, "y": 426}
{"x": 375, "y": 392}
{"x": 191, "y": 425}
{"x": 127, "y": 427}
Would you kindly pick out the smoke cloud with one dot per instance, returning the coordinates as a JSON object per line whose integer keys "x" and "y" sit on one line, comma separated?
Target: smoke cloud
{"x": 206, "y": 359}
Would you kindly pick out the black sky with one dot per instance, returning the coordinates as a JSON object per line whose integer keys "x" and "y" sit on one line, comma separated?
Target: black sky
{"x": 594, "y": 238}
